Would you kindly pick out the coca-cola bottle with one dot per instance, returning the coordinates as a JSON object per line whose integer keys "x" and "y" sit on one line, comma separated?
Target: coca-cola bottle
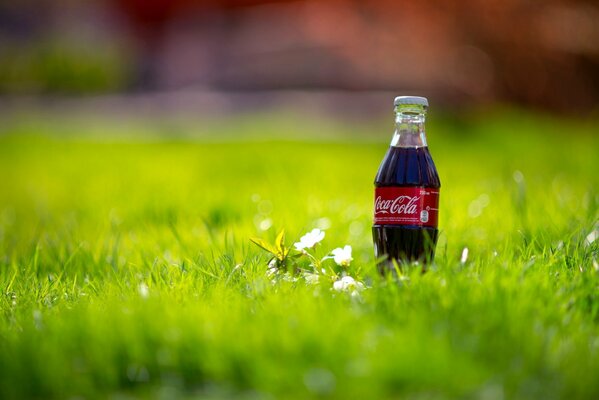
{"x": 406, "y": 195}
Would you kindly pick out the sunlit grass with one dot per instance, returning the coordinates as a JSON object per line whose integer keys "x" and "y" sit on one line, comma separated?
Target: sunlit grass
{"x": 126, "y": 266}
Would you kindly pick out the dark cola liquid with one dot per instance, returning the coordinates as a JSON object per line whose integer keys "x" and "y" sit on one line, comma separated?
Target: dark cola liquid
{"x": 405, "y": 167}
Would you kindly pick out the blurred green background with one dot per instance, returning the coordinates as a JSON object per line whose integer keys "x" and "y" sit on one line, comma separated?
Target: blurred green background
{"x": 127, "y": 270}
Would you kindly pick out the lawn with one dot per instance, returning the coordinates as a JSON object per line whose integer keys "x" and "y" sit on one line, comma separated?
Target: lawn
{"x": 127, "y": 270}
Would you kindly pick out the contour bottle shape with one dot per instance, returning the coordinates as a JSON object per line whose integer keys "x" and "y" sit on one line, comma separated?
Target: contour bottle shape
{"x": 406, "y": 195}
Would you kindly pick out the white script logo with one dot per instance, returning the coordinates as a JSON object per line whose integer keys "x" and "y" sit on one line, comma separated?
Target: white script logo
{"x": 399, "y": 205}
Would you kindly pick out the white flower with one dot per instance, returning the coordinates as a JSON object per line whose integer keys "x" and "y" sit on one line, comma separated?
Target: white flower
{"x": 343, "y": 256}
{"x": 310, "y": 239}
{"x": 287, "y": 277}
{"x": 592, "y": 236}
{"x": 143, "y": 290}
{"x": 272, "y": 269}
{"x": 464, "y": 257}
{"x": 311, "y": 279}
{"x": 348, "y": 284}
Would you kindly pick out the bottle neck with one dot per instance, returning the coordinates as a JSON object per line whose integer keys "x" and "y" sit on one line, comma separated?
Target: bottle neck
{"x": 409, "y": 126}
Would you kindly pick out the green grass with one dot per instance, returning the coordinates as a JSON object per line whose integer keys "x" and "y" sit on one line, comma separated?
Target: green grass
{"x": 85, "y": 223}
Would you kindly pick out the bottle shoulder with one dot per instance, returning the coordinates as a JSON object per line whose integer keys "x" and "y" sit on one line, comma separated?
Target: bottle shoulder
{"x": 394, "y": 184}
{"x": 409, "y": 167}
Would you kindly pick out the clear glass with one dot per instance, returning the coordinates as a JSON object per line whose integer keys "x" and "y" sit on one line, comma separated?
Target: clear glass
{"x": 408, "y": 163}
{"x": 409, "y": 126}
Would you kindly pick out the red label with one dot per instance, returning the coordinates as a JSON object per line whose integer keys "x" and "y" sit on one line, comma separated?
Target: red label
{"x": 395, "y": 205}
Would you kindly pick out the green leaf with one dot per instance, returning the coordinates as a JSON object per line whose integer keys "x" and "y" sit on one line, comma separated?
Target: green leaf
{"x": 282, "y": 253}
{"x": 280, "y": 245}
{"x": 263, "y": 244}
{"x": 286, "y": 251}
{"x": 279, "y": 242}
